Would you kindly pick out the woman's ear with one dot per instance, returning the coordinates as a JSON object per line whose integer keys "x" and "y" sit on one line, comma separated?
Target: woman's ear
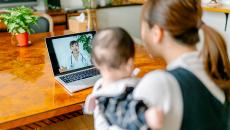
{"x": 157, "y": 33}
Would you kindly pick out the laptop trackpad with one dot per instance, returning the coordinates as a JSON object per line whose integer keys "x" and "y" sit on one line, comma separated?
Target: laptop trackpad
{"x": 83, "y": 84}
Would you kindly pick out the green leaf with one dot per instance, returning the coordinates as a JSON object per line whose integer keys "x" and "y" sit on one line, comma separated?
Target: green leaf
{"x": 85, "y": 40}
{"x": 18, "y": 19}
{"x": 21, "y": 30}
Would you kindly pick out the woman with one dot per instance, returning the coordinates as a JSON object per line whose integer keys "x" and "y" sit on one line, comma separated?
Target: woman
{"x": 192, "y": 92}
{"x": 76, "y": 59}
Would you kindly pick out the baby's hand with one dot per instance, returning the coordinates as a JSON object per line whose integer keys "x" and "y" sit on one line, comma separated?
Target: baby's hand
{"x": 154, "y": 118}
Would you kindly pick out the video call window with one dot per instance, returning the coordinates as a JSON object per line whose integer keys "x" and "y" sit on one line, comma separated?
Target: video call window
{"x": 73, "y": 52}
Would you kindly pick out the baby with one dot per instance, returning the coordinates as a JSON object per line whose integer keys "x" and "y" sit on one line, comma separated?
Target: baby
{"x": 111, "y": 101}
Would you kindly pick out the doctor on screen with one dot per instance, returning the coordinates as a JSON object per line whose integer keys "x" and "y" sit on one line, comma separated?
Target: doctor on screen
{"x": 76, "y": 59}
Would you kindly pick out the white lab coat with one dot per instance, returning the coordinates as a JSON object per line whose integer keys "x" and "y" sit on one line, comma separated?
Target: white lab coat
{"x": 82, "y": 61}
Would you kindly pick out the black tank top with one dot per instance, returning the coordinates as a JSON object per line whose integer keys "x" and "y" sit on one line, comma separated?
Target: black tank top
{"x": 201, "y": 110}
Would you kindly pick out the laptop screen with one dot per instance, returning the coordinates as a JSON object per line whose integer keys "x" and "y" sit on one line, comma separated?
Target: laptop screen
{"x": 70, "y": 52}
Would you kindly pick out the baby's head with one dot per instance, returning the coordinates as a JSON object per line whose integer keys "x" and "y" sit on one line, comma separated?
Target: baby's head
{"x": 113, "y": 49}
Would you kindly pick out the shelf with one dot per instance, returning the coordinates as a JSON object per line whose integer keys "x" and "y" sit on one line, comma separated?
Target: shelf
{"x": 221, "y": 9}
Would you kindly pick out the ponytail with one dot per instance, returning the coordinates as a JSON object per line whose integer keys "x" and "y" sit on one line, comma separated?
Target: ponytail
{"x": 215, "y": 58}
{"x": 184, "y": 26}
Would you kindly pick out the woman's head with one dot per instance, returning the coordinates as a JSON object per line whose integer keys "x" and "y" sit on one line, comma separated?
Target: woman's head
{"x": 174, "y": 20}
{"x": 179, "y": 21}
{"x": 113, "y": 48}
{"x": 74, "y": 46}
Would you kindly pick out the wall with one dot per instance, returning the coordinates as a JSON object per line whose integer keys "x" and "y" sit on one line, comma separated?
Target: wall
{"x": 127, "y": 17}
{"x": 71, "y": 4}
{"x": 41, "y": 5}
{"x": 222, "y": 1}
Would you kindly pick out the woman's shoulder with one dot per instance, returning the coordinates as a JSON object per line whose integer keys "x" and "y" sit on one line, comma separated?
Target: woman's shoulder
{"x": 156, "y": 87}
{"x": 157, "y": 77}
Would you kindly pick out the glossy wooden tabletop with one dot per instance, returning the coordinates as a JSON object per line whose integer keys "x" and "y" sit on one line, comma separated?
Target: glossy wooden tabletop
{"x": 28, "y": 90}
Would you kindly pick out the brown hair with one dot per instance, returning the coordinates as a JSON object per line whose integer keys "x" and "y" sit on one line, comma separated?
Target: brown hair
{"x": 73, "y": 42}
{"x": 182, "y": 19}
{"x": 113, "y": 47}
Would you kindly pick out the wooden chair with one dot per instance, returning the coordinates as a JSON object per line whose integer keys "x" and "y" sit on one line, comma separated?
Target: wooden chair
{"x": 2, "y": 25}
{"x": 44, "y": 24}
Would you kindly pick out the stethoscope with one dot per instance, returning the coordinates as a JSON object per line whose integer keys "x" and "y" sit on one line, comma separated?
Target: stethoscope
{"x": 71, "y": 60}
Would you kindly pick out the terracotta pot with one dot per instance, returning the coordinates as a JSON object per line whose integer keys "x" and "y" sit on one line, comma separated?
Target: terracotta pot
{"x": 23, "y": 39}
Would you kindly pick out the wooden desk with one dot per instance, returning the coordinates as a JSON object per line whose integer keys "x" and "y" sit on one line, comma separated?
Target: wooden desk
{"x": 28, "y": 90}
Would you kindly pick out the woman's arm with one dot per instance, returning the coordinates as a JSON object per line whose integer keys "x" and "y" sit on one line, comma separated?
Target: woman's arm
{"x": 154, "y": 90}
{"x": 155, "y": 118}
{"x": 160, "y": 89}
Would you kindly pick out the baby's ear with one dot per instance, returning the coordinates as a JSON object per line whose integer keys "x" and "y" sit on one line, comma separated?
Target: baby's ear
{"x": 130, "y": 62}
{"x": 95, "y": 64}
{"x": 130, "y": 65}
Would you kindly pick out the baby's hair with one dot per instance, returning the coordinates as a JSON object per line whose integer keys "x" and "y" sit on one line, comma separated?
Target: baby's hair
{"x": 73, "y": 42}
{"x": 113, "y": 47}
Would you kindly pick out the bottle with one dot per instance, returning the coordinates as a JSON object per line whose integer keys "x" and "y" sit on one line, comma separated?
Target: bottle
{"x": 102, "y": 3}
{"x": 90, "y": 26}
{"x": 93, "y": 4}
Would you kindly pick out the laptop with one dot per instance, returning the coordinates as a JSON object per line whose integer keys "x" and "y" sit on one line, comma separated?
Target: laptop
{"x": 71, "y": 60}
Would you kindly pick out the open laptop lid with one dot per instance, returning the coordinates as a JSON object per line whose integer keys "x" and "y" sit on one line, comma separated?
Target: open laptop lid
{"x": 70, "y": 53}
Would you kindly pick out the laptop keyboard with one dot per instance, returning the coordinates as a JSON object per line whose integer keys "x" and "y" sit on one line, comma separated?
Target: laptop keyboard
{"x": 79, "y": 75}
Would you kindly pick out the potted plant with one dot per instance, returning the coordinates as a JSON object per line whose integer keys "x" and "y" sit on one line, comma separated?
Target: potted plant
{"x": 85, "y": 40}
{"x": 18, "y": 21}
